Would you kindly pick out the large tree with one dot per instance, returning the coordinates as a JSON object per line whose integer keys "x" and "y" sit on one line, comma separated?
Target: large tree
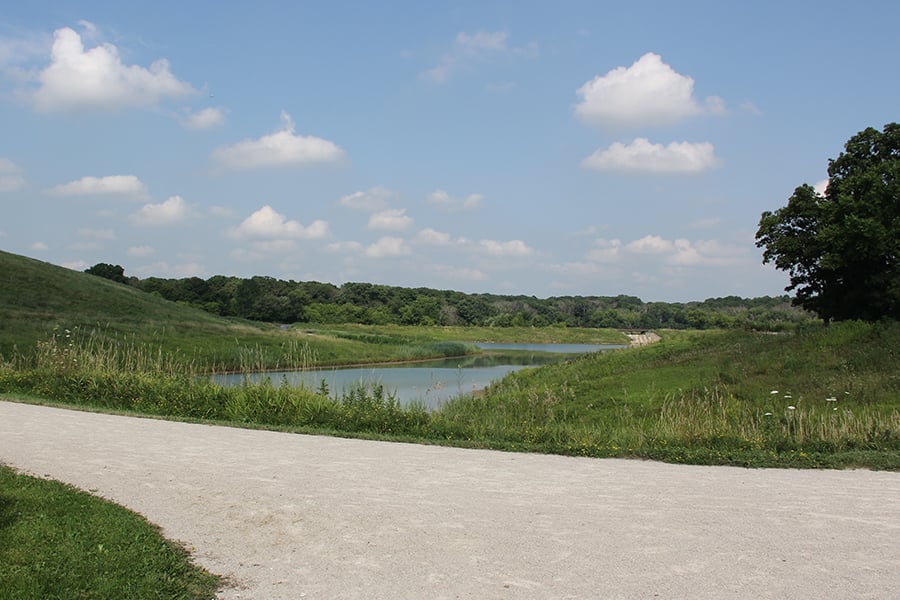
{"x": 841, "y": 249}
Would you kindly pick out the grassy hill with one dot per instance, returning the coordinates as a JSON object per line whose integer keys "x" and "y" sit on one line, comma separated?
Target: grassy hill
{"x": 37, "y": 298}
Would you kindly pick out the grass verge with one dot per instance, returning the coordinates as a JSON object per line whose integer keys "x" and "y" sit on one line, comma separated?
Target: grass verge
{"x": 59, "y": 542}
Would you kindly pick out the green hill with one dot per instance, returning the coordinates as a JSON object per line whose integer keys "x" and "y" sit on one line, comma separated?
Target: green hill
{"x": 37, "y": 297}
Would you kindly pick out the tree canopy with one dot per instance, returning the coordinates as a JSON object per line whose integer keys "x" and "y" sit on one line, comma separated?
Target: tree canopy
{"x": 107, "y": 271}
{"x": 841, "y": 249}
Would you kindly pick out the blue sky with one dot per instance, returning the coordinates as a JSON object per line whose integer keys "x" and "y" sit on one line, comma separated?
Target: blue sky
{"x": 568, "y": 148}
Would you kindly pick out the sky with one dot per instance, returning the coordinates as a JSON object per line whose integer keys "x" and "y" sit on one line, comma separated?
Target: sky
{"x": 509, "y": 147}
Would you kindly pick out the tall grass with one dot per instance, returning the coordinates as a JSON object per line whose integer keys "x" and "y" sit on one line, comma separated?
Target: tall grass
{"x": 821, "y": 397}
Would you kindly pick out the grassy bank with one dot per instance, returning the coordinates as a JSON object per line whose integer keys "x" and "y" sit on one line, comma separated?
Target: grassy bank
{"x": 58, "y": 542}
{"x": 818, "y": 397}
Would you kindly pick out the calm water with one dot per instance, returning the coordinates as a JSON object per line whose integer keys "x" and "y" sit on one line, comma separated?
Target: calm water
{"x": 430, "y": 382}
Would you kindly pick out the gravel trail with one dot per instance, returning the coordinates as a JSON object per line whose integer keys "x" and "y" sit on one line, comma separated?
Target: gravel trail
{"x": 292, "y": 516}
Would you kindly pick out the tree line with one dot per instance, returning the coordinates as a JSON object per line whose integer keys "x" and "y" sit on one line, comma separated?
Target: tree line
{"x": 278, "y": 301}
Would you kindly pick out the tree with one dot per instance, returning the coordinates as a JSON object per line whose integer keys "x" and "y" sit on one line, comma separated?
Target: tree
{"x": 107, "y": 271}
{"x": 841, "y": 249}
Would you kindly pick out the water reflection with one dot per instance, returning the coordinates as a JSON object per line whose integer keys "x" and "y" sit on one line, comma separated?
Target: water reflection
{"x": 430, "y": 382}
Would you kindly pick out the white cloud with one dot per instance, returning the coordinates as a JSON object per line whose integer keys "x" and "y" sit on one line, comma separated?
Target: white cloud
{"x": 38, "y": 247}
{"x": 388, "y": 247}
{"x": 445, "y": 201}
{"x": 172, "y": 211}
{"x": 705, "y": 252}
{"x": 469, "y": 49}
{"x": 372, "y": 199}
{"x": 643, "y": 156}
{"x": 821, "y": 187}
{"x": 393, "y": 219}
{"x": 651, "y": 244}
{"x": 433, "y": 237}
{"x": 649, "y": 92}
{"x": 268, "y": 224}
{"x": 111, "y": 185}
{"x": 204, "y": 119}
{"x": 79, "y": 79}
{"x": 11, "y": 178}
{"x": 514, "y": 248}
{"x": 280, "y": 149}
{"x": 141, "y": 251}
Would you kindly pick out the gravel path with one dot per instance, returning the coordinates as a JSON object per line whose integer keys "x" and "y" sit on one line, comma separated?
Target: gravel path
{"x": 294, "y": 516}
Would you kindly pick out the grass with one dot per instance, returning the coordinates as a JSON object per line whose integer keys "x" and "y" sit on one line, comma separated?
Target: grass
{"x": 701, "y": 397}
{"x": 39, "y": 300}
{"x": 59, "y": 542}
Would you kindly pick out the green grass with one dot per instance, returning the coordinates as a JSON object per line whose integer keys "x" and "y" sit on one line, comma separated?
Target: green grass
{"x": 701, "y": 397}
{"x": 59, "y": 542}
{"x": 39, "y": 300}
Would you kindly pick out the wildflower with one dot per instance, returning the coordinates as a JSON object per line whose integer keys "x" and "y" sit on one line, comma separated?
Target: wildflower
{"x": 831, "y": 399}
{"x": 768, "y": 414}
{"x": 788, "y": 396}
{"x": 773, "y": 392}
{"x": 792, "y": 408}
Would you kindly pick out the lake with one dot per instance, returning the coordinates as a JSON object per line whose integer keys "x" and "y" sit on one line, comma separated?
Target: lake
{"x": 431, "y": 382}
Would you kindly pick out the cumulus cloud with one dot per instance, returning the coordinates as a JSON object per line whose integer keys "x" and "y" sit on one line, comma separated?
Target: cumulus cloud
{"x": 687, "y": 253}
{"x": 387, "y": 247}
{"x": 280, "y": 149}
{"x": 206, "y": 118}
{"x": 266, "y": 223}
{"x": 39, "y": 247}
{"x": 445, "y": 201}
{"x": 11, "y": 178}
{"x": 649, "y": 92}
{"x": 372, "y": 199}
{"x": 96, "y": 78}
{"x": 469, "y": 49}
{"x": 172, "y": 211}
{"x": 512, "y": 248}
{"x": 651, "y": 244}
{"x": 111, "y": 185}
{"x": 643, "y": 156}
{"x": 393, "y": 219}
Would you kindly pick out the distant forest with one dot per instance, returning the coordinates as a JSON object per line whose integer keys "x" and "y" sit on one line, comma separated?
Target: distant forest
{"x": 278, "y": 301}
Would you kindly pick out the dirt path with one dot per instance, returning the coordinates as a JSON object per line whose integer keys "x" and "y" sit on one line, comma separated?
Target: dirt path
{"x": 293, "y": 516}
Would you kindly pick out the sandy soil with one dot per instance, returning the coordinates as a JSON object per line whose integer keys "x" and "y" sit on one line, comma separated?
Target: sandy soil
{"x": 293, "y": 516}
